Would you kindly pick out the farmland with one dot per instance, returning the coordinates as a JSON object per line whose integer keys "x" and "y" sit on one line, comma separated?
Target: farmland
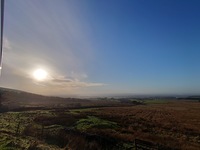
{"x": 174, "y": 124}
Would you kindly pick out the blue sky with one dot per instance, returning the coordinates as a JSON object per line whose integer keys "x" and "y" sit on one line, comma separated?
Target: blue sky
{"x": 92, "y": 47}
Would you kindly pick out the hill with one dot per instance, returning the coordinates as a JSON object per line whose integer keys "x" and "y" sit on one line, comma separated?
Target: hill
{"x": 11, "y": 99}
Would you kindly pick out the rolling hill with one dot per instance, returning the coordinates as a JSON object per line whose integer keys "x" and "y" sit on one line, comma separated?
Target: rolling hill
{"x": 12, "y": 99}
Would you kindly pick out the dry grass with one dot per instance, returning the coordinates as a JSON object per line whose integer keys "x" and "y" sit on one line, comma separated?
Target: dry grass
{"x": 174, "y": 124}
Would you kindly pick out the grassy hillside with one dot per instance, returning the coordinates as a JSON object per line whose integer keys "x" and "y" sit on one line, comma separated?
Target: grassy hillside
{"x": 19, "y": 100}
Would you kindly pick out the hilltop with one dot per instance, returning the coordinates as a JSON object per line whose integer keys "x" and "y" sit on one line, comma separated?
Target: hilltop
{"x": 12, "y": 99}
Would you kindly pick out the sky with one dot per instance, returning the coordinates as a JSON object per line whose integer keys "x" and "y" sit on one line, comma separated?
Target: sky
{"x": 107, "y": 47}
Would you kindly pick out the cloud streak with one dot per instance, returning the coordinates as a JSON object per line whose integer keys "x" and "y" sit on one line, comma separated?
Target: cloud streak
{"x": 63, "y": 82}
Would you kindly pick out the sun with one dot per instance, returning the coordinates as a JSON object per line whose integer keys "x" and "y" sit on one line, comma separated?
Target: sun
{"x": 40, "y": 74}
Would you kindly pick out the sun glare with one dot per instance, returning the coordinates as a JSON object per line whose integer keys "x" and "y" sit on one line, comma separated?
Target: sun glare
{"x": 40, "y": 74}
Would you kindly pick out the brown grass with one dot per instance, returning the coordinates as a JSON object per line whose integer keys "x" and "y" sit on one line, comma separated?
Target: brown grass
{"x": 175, "y": 124}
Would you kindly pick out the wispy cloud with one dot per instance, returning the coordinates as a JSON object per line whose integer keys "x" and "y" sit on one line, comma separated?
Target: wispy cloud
{"x": 51, "y": 35}
{"x": 47, "y": 33}
{"x": 54, "y": 84}
{"x": 63, "y": 82}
